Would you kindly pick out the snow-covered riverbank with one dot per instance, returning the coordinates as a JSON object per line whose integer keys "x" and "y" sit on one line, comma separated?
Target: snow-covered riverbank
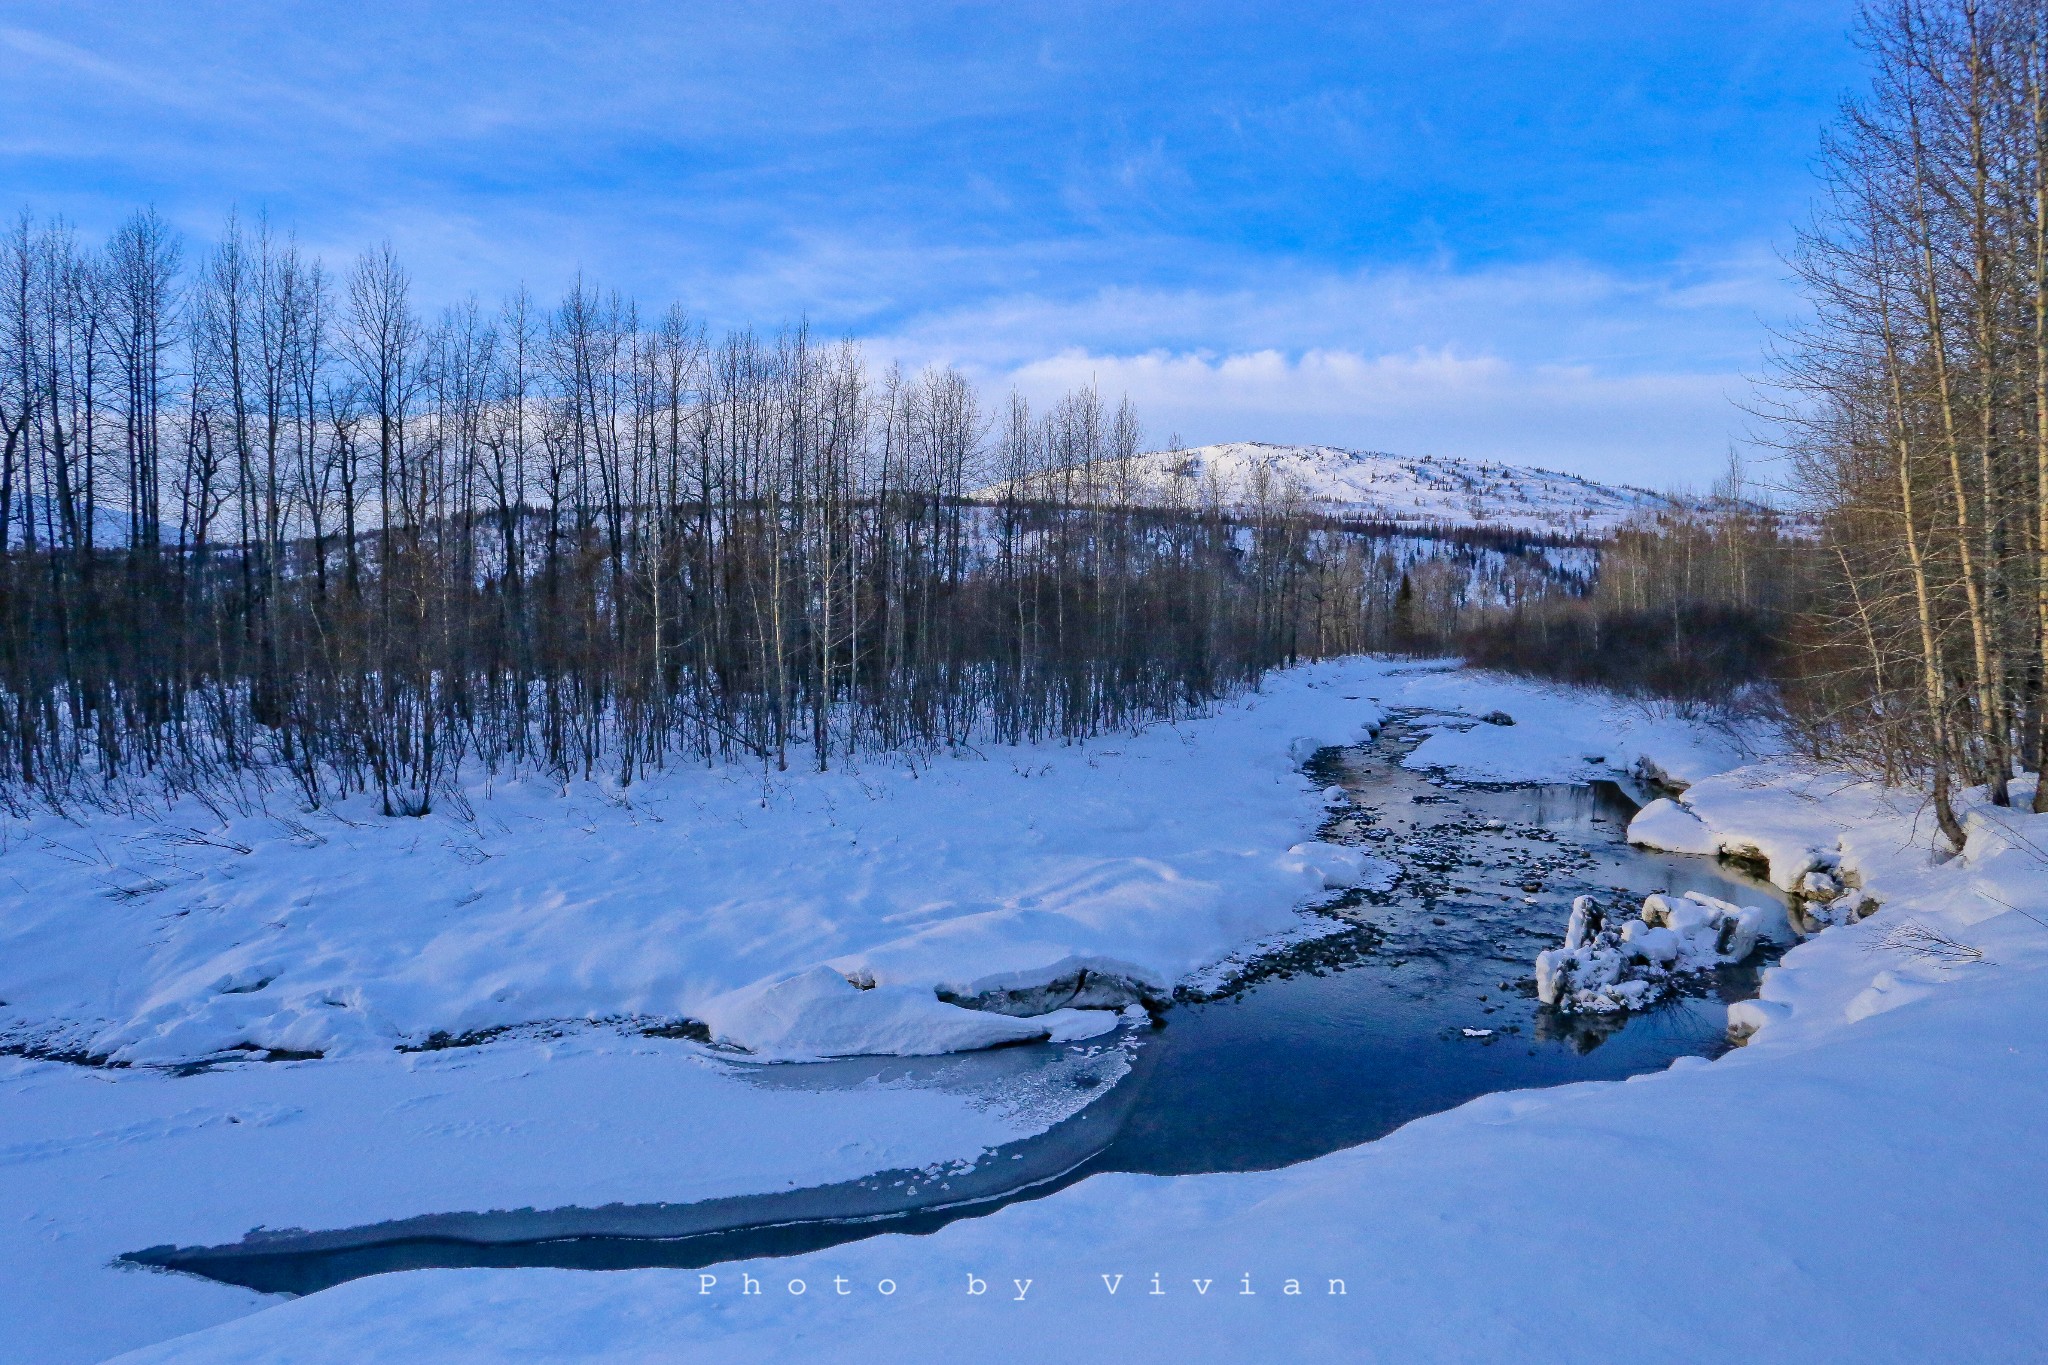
{"x": 1866, "y": 1191}
{"x": 689, "y": 896}
{"x": 1145, "y": 857}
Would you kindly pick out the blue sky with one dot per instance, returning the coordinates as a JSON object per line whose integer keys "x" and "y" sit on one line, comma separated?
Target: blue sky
{"x": 1533, "y": 231}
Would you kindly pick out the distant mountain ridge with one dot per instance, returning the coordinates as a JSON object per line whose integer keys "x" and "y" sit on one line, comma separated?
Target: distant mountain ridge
{"x": 1374, "y": 486}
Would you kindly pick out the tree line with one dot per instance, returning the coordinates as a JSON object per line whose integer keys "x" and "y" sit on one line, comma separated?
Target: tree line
{"x": 1698, "y": 602}
{"x": 257, "y": 518}
{"x": 1918, "y": 399}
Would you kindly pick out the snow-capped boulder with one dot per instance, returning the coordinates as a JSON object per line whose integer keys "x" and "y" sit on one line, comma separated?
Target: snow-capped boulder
{"x": 1337, "y": 866}
{"x": 1658, "y": 773}
{"x": 1584, "y": 921}
{"x": 1745, "y": 1017}
{"x": 1711, "y": 926}
{"x": 819, "y": 1013}
{"x": 1606, "y": 967}
{"x": 1819, "y": 886}
{"x": 1651, "y": 943}
{"x": 1666, "y": 825}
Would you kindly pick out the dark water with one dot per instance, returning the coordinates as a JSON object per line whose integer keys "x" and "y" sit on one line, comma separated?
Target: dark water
{"x": 1309, "y": 1049}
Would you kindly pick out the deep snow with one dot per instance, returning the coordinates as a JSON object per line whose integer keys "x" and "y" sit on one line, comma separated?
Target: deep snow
{"x": 694, "y": 895}
{"x": 1866, "y": 1191}
{"x": 1863, "y": 1180}
{"x": 96, "y": 1163}
{"x": 1812, "y": 1195}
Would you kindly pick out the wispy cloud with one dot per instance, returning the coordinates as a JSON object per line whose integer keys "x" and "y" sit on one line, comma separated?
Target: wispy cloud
{"x": 1642, "y": 377}
{"x": 1536, "y": 231}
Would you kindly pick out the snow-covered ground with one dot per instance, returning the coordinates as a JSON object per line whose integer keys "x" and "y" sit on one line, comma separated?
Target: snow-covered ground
{"x": 1422, "y": 491}
{"x": 1857, "y": 1180}
{"x": 701, "y": 895}
{"x": 96, "y": 1163}
{"x": 1865, "y": 1190}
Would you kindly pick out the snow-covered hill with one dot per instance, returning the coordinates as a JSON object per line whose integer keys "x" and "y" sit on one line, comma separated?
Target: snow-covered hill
{"x": 1370, "y": 485}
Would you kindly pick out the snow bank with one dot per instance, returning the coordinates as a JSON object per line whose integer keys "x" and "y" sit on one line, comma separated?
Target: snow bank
{"x": 186, "y": 934}
{"x": 1139, "y": 858}
{"x": 2001, "y": 860}
{"x": 1920, "y": 920}
{"x": 95, "y": 1163}
{"x": 1890, "y": 989}
{"x": 1786, "y": 818}
{"x": 1561, "y": 734}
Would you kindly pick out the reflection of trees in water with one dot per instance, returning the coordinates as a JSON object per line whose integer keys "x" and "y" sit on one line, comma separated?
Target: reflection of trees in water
{"x": 1684, "y": 1025}
{"x": 1580, "y": 1032}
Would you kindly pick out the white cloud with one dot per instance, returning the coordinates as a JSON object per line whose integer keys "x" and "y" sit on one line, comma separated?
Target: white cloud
{"x": 1659, "y": 430}
{"x": 1641, "y": 378}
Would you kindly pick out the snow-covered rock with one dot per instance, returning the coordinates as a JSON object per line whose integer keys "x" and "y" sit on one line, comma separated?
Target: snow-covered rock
{"x": 819, "y": 1013}
{"x": 1819, "y": 886}
{"x": 1786, "y": 818}
{"x": 1783, "y": 819}
{"x": 1335, "y": 865}
{"x": 1606, "y": 967}
{"x": 1666, "y": 825}
{"x": 1745, "y": 1017}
